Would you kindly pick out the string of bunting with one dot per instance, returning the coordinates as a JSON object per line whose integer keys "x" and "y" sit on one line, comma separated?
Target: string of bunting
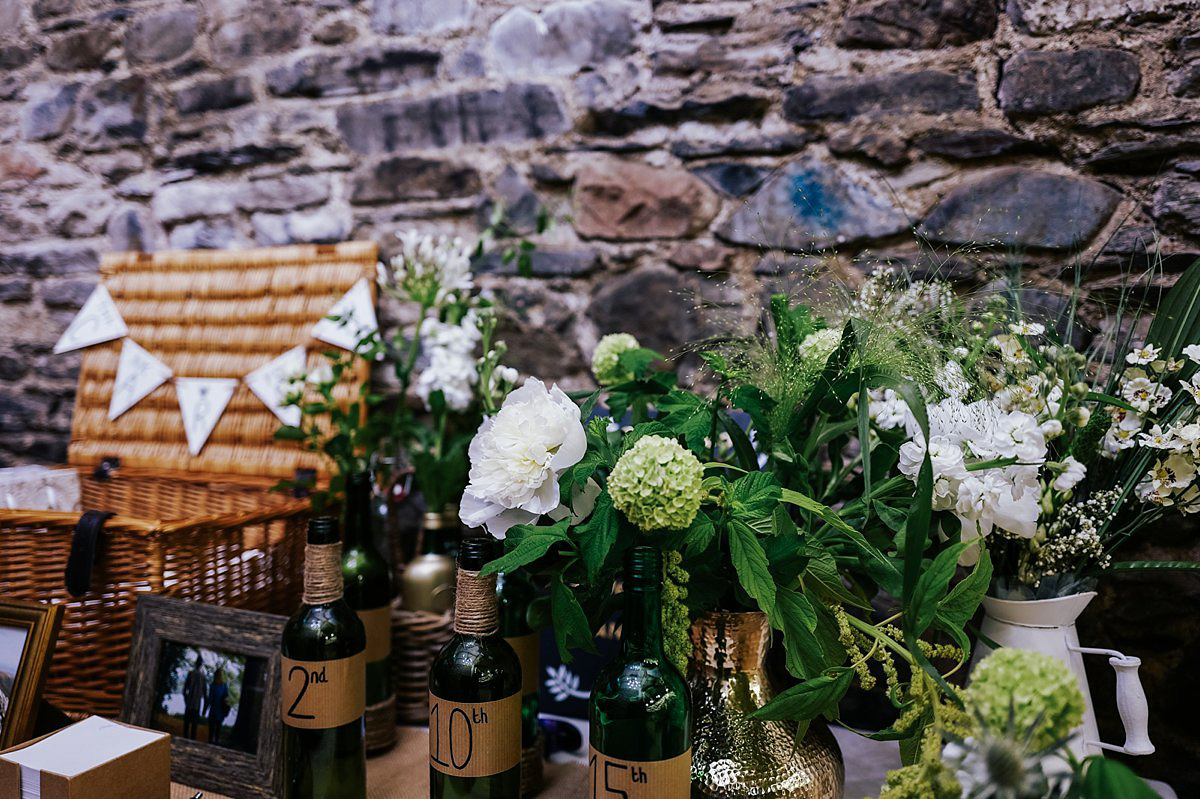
{"x": 202, "y": 400}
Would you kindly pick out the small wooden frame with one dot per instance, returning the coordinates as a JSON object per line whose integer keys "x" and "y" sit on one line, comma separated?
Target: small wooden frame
{"x": 28, "y": 632}
{"x": 169, "y": 634}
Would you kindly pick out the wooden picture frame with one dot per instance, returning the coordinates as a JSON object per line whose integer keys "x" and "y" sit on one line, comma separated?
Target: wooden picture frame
{"x": 163, "y": 628}
{"x": 36, "y": 628}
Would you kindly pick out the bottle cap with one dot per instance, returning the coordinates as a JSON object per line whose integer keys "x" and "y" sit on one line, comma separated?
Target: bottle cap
{"x": 323, "y": 530}
{"x": 643, "y": 567}
{"x": 474, "y": 553}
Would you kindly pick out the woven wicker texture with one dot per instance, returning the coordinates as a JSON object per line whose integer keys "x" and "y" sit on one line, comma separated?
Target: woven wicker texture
{"x": 417, "y": 637}
{"x": 227, "y": 541}
{"x": 212, "y": 314}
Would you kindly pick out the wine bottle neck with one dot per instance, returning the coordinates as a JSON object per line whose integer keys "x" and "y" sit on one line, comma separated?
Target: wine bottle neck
{"x": 322, "y": 573}
{"x": 475, "y": 608}
{"x": 357, "y": 530}
{"x": 641, "y": 626}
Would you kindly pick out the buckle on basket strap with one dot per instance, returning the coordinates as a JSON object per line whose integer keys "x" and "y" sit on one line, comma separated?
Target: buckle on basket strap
{"x": 86, "y": 546}
{"x": 105, "y": 468}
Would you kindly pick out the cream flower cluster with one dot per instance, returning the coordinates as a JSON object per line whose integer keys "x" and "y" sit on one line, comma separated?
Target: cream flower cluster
{"x": 518, "y": 455}
{"x": 606, "y": 365}
{"x": 657, "y": 484}
{"x": 961, "y": 434}
{"x": 452, "y": 364}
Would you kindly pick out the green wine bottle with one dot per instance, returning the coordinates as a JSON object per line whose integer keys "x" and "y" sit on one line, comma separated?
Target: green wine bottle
{"x": 640, "y": 712}
{"x": 475, "y": 694}
{"x": 515, "y": 593}
{"x": 324, "y": 680}
{"x": 369, "y": 593}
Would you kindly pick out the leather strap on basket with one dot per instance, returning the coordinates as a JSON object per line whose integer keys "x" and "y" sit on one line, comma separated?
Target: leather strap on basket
{"x": 85, "y": 548}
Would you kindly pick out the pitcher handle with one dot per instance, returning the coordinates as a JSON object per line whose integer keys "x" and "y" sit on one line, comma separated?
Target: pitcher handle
{"x": 1131, "y": 702}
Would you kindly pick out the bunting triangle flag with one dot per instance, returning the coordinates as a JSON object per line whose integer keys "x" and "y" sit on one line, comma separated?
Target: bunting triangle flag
{"x": 138, "y": 373}
{"x": 97, "y": 321}
{"x": 271, "y": 383}
{"x": 202, "y": 401}
{"x": 353, "y": 318}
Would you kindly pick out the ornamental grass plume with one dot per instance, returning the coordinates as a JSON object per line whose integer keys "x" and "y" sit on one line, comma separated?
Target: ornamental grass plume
{"x": 606, "y": 363}
{"x": 1016, "y": 687}
{"x": 657, "y": 484}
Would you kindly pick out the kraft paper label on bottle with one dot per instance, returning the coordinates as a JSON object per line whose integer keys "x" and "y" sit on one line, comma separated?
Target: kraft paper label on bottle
{"x": 321, "y": 694}
{"x": 378, "y": 623}
{"x": 613, "y": 778}
{"x": 526, "y": 647}
{"x": 474, "y": 739}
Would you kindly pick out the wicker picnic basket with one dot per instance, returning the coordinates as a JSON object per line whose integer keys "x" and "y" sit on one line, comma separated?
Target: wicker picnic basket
{"x": 206, "y": 527}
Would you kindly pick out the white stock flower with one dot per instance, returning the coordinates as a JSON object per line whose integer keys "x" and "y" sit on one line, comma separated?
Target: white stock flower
{"x": 1051, "y": 429}
{"x": 887, "y": 410}
{"x": 518, "y": 455}
{"x": 1073, "y": 471}
{"x": 951, "y": 379}
{"x": 1147, "y": 353}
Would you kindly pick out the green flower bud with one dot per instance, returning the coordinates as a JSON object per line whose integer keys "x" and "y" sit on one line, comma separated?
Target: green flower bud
{"x": 657, "y": 484}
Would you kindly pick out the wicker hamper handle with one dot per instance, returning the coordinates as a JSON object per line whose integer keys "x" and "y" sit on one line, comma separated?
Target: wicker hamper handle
{"x": 86, "y": 546}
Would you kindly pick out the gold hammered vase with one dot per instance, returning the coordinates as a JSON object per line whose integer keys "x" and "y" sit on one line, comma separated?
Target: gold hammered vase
{"x": 733, "y": 756}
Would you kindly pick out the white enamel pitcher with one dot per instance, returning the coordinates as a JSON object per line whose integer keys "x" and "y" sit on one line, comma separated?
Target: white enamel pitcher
{"x": 1048, "y": 626}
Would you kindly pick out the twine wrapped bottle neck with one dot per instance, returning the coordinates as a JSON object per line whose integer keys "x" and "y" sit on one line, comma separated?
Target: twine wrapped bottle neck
{"x": 475, "y": 608}
{"x": 322, "y": 573}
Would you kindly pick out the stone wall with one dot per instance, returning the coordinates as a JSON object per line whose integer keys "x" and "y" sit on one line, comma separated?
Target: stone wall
{"x": 683, "y": 149}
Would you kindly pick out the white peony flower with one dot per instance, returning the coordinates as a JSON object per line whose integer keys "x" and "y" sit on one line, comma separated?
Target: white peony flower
{"x": 518, "y": 455}
{"x": 1073, "y": 472}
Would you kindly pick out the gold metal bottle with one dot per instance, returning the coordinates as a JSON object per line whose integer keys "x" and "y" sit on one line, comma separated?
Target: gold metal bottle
{"x": 428, "y": 580}
{"x": 734, "y": 756}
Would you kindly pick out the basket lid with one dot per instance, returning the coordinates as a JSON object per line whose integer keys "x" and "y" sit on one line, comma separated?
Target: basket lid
{"x": 212, "y": 313}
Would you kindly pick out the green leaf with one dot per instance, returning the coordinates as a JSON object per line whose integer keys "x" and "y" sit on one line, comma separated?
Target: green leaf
{"x": 531, "y": 544}
{"x": 637, "y": 361}
{"x": 1177, "y": 320}
{"x": 289, "y": 433}
{"x": 750, "y": 563}
{"x": 716, "y": 362}
{"x": 823, "y": 570}
{"x": 827, "y": 514}
{"x": 932, "y": 586}
{"x": 963, "y": 600}
{"x": 1108, "y": 399}
{"x": 578, "y": 474}
{"x": 894, "y": 519}
{"x": 754, "y": 495}
{"x": 571, "y": 628}
{"x": 700, "y": 534}
{"x": 597, "y": 535}
{"x": 1110, "y": 779}
{"x": 589, "y": 404}
{"x": 807, "y": 700}
{"x": 795, "y": 617}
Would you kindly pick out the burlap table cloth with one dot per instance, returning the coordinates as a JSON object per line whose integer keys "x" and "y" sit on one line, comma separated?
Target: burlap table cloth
{"x": 403, "y": 773}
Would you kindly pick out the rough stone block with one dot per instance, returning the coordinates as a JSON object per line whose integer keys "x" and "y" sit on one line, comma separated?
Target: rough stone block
{"x": 649, "y": 303}
{"x": 80, "y": 49}
{"x": 80, "y": 213}
{"x": 48, "y": 110}
{"x": 420, "y": 16}
{"x": 627, "y": 201}
{"x": 1054, "y": 81}
{"x": 161, "y": 36}
{"x": 320, "y": 226}
{"x": 920, "y": 24}
{"x": 18, "y": 167}
{"x": 1055, "y": 16}
{"x": 257, "y": 27}
{"x": 338, "y": 31}
{"x": 1022, "y": 207}
{"x": 880, "y": 146}
{"x": 70, "y": 294}
{"x": 15, "y": 289}
{"x": 52, "y": 8}
{"x": 732, "y": 177}
{"x": 219, "y": 159}
{"x": 113, "y": 112}
{"x": 374, "y": 69}
{"x": 813, "y": 204}
{"x": 1142, "y": 156}
{"x": 11, "y": 14}
{"x": 176, "y": 202}
{"x": 49, "y": 259}
{"x": 513, "y": 113}
{"x": 130, "y": 229}
{"x": 13, "y": 368}
{"x": 642, "y": 113}
{"x": 1185, "y": 82}
{"x": 563, "y": 38}
{"x": 15, "y": 56}
{"x": 729, "y": 145}
{"x": 283, "y": 193}
{"x": 204, "y": 234}
{"x": 1177, "y": 204}
{"x": 966, "y": 145}
{"x": 543, "y": 263}
{"x": 214, "y": 95}
{"x": 403, "y": 178}
{"x": 844, "y": 97}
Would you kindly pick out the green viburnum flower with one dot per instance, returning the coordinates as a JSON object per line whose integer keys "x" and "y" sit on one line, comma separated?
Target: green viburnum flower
{"x": 606, "y": 365}
{"x": 657, "y": 484}
{"x": 1038, "y": 690}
